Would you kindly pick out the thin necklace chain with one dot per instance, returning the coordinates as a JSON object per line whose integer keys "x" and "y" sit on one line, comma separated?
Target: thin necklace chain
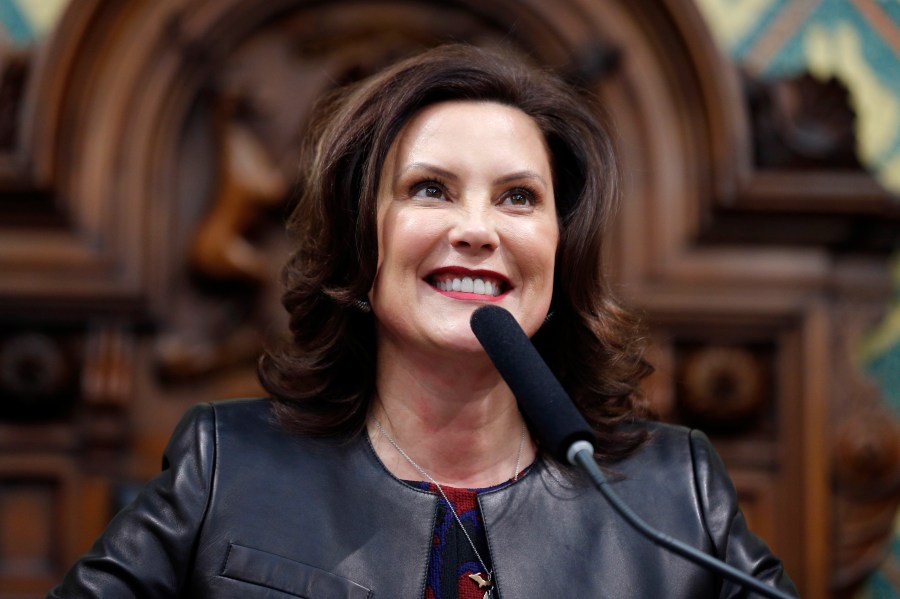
{"x": 444, "y": 495}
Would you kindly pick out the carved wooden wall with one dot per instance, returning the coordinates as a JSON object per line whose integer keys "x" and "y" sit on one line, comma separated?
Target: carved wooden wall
{"x": 146, "y": 154}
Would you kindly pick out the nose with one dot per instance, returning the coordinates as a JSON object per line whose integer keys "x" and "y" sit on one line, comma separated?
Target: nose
{"x": 474, "y": 229}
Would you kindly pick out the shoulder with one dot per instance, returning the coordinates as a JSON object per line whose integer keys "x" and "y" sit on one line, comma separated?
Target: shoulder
{"x": 251, "y": 411}
{"x": 677, "y": 447}
{"x": 244, "y": 432}
{"x": 680, "y": 461}
{"x": 666, "y": 445}
{"x": 670, "y": 443}
{"x": 204, "y": 424}
{"x": 232, "y": 418}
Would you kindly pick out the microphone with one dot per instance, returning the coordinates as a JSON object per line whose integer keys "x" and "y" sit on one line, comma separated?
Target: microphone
{"x": 542, "y": 400}
{"x": 562, "y": 429}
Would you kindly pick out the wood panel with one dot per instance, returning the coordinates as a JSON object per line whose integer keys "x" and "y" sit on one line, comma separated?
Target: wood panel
{"x": 37, "y": 497}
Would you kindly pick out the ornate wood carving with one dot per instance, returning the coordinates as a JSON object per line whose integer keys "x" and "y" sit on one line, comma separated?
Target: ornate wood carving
{"x": 147, "y": 151}
{"x": 724, "y": 387}
{"x": 866, "y": 454}
{"x": 38, "y": 375}
{"x": 801, "y": 123}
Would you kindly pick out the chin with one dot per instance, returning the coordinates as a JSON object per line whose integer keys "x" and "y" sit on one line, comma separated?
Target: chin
{"x": 462, "y": 343}
{"x": 472, "y": 346}
{"x": 453, "y": 335}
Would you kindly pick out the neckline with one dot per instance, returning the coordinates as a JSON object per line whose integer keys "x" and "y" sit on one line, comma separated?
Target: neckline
{"x": 412, "y": 484}
{"x": 425, "y": 485}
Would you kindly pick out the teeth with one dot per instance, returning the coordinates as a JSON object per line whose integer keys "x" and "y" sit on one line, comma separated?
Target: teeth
{"x": 474, "y": 285}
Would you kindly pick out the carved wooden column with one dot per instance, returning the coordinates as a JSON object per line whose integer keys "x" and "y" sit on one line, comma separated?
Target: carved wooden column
{"x": 756, "y": 244}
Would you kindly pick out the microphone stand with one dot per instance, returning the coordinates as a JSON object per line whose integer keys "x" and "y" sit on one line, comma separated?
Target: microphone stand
{"x": 581, "y": 453}
{"x": 563, "y": 429}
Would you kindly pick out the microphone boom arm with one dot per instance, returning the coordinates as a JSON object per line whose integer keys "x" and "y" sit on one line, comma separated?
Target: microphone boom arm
{"x": 565, "y": 433}
{"x": 582, "y": 454}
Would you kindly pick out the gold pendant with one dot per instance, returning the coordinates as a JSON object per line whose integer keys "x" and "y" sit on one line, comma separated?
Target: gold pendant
{"x": 482, "y": 583}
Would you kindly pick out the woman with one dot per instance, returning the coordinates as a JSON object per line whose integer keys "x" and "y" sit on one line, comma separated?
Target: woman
{"x": 397, "y": 464}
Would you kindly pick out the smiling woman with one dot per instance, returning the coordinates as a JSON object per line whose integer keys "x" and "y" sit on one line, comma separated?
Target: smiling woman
{"x": 465, "y": 204}
{"x": 397, "y": 463}
{"x": 511, "y": 133}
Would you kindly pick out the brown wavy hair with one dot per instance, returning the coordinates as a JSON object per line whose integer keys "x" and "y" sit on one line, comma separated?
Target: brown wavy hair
{"x": 323, "y": 377}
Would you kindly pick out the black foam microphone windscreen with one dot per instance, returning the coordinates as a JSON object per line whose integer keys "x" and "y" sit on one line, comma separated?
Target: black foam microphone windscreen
{"x": 547, "y": 407}
{"x": 558, "y": 425}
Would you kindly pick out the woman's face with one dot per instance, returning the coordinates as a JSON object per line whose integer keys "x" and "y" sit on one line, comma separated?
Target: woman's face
{"x": 466, "y": 217}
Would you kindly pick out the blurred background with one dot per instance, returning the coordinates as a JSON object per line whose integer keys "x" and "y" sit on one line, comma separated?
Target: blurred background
{"x": 147, "y": 158}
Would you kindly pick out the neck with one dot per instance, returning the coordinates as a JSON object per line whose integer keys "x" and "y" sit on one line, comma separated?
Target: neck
{"x": 455, "y": 418}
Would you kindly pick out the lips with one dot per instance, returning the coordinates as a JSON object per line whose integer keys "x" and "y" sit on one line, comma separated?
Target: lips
{"x": 475, "y": 282}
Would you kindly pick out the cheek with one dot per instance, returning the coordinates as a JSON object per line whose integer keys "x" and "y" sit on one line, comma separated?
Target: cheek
{"x": 550, "y": 250}
{"x": 537, "y": 248}
{"x": 381, "y": 232}
{"x": 550, "y": 236}
{"x": 405, "y": 238}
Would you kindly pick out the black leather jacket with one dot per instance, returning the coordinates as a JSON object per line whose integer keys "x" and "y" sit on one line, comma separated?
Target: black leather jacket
{"x": 242, "y": 509}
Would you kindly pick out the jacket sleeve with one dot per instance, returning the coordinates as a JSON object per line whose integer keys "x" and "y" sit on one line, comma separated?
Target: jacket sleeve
{"x": 733, "y": 541}
{"x": 147, "y": 549}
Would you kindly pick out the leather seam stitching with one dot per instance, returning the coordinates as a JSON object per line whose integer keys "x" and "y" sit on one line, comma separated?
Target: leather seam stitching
{"x": 697, "y": 490}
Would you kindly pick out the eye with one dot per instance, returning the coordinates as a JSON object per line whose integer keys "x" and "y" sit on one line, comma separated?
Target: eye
{"x": 429, "y": 189}
{"x": 520, "y": 197}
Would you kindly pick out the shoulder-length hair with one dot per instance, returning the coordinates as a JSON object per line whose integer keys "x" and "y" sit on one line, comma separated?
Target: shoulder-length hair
{"x": 322, "y": 379}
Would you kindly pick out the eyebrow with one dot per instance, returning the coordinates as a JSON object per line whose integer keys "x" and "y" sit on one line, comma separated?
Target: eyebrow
{"x": 444, "y": 173}
{"x": 521, "y": 175}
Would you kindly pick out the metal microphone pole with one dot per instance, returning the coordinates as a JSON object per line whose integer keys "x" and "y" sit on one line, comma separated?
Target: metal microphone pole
{"x": 581, "y": 453}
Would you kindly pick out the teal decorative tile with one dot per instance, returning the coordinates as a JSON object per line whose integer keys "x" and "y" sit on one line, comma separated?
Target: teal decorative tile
{"x": 15, "y": 23}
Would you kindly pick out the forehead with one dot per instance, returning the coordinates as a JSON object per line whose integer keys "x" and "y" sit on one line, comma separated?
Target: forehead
{"x": 444, "y": 130}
